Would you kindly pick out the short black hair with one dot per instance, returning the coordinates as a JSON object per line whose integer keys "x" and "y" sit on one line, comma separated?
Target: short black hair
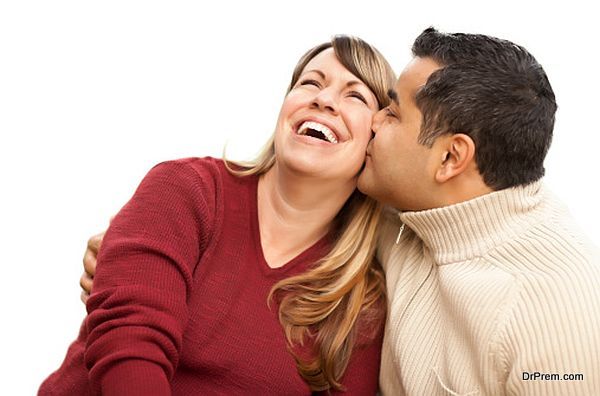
{"x": 495, "y": 92}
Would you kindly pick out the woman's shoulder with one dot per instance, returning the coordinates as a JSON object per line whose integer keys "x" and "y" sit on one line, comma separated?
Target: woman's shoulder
{"x": 180, "y": 193}
{"x": 207, "y": 181}
{"x": 206, "y": 169}
{"x": 200, "y": 166}
{"x": 193, "y": 174}
{"x": 190, "y": 182}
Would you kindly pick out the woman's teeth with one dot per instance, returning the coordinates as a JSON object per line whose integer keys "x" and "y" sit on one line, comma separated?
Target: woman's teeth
{"x": 308, "y": 126}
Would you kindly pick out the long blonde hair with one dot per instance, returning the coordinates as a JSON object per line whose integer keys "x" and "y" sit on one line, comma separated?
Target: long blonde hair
{"x": 327, "y": 301}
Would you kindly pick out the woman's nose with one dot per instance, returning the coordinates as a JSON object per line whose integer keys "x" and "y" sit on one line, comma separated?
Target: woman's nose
{"x": 326, "y": 101}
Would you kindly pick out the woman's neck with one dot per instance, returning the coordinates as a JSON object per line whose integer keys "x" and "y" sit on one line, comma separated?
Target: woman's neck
{"x": 295, "y": 211}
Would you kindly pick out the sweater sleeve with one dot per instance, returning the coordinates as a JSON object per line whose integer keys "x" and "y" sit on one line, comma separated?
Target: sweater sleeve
{"x": 137, "y": 310}
{"x": 551, "y": 341}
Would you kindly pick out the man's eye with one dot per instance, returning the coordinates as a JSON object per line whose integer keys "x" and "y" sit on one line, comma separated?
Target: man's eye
{"x": 389, "y": 113}
{"x": 358, "y": 96}
{"x": 310, "y": 82}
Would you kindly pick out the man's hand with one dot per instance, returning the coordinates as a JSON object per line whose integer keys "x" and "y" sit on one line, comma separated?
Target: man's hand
{"x": 89, "y": 265}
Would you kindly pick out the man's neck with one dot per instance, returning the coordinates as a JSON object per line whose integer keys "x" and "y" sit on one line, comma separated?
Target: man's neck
{"x": 462, "y": 190}
{"x": 471, "y": 228}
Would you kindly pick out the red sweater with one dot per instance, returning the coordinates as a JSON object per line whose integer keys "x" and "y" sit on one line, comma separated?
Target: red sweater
{"x": 179, "y": 304}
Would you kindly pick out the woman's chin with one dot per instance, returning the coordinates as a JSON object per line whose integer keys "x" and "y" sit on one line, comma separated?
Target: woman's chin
{"x": 306, "y": 165}
{"x": 319, "y": 168}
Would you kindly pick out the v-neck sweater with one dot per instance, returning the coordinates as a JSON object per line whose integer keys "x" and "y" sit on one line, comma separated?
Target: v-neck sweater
{"x": 179, "y": 304}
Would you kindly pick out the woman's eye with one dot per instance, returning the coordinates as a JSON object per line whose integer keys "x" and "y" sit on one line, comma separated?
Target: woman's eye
{"x": 358, "y": 96}
{"x": 311, "y": 82}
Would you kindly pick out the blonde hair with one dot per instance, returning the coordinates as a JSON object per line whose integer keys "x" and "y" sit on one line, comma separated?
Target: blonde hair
{"x": 346, "y": 288}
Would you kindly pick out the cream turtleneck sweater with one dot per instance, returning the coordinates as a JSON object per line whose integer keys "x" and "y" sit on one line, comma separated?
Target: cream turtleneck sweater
{"x": 486, "y": 293}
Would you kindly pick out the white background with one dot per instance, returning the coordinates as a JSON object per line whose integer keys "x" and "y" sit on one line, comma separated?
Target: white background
{"x": 92, "y": 94}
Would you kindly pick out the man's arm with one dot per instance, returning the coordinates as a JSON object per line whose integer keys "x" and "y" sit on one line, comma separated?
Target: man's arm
{"x": 89, "y": 265}
{"x": 552, "y": 344}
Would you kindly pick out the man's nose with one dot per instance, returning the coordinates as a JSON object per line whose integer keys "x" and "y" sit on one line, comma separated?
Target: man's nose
{"x": 377, "y": 119}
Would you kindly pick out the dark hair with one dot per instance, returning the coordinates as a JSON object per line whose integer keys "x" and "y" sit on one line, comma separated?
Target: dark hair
{"x": 493, "y": 91}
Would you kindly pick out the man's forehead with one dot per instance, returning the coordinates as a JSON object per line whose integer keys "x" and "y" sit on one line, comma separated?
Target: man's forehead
{"x": 415, "y": 76}
{"x": 422, "y": 65}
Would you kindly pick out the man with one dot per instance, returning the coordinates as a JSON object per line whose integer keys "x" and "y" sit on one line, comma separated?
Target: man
{"x": 492, "y": 289}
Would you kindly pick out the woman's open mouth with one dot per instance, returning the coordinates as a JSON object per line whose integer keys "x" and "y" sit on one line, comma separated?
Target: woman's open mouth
{"x": 317, "y": 131}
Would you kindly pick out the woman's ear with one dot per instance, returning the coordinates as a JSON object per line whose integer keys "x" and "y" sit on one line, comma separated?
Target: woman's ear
{"x": 457, "y": 153}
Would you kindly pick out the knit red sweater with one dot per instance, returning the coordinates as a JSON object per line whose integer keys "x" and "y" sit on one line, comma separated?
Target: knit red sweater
{"x": 179, "y": 304}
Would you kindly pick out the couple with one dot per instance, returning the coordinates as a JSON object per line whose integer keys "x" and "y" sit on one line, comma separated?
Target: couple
{"x": 264, "y": 278}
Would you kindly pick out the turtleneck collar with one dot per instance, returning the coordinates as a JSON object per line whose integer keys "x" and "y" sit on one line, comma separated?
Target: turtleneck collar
{"x": 470, "y": 229}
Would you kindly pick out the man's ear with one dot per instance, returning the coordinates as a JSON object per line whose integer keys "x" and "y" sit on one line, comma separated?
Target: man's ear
{"x": 457, "y": 153}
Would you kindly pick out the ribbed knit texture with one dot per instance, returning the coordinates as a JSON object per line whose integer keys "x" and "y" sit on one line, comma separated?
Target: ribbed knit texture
{"x": 484, "y": 291}
{"x": 179, "y": 304}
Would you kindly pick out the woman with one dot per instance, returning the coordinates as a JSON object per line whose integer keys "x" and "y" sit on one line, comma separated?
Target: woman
{"x": 188, "y": 265}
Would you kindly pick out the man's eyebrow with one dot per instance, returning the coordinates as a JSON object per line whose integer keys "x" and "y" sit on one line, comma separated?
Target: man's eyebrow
{"x": 393, "y": 95}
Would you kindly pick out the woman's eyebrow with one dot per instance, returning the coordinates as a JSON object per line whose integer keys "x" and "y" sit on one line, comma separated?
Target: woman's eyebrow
{"x": 355, "y": 82}
{"x": 319, "y": 72}
{"x": 322, "y": 75}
